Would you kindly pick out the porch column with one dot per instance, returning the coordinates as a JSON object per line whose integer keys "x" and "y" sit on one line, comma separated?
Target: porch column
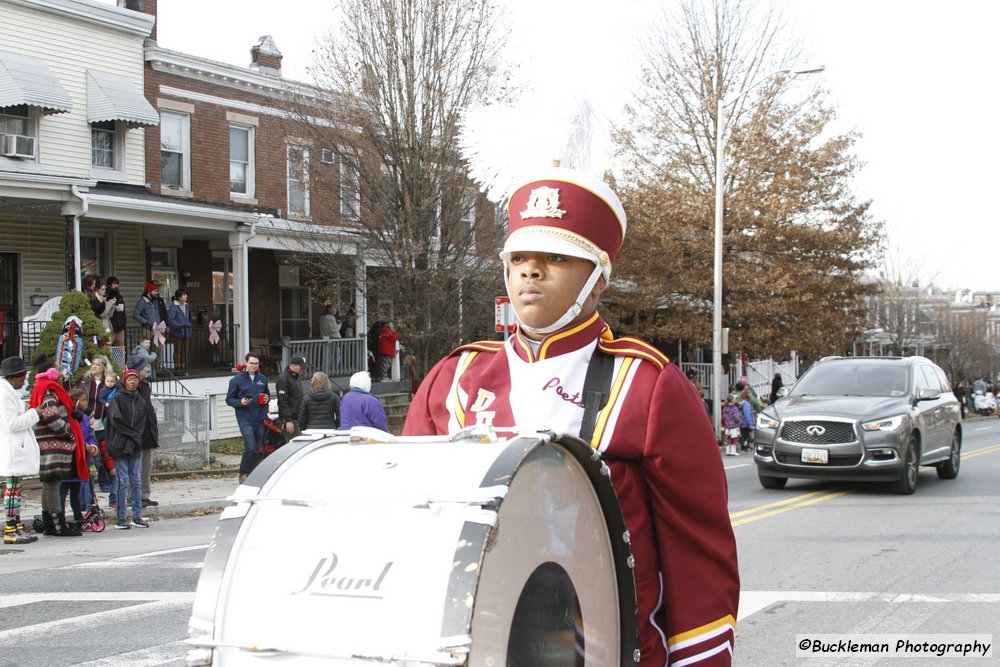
{"x": 238, "y": 241}
{"x": 360, "y": 289}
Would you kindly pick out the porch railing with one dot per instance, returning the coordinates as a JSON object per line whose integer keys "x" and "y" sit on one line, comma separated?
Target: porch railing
{"x": 21, "y": 337}
{"x": 337, "y": 357}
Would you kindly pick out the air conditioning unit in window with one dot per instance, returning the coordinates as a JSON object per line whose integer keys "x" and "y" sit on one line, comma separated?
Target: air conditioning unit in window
{"x": 17, "y": 145}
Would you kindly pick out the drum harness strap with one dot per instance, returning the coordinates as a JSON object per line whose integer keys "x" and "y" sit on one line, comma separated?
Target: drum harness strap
{"x": 596, "y": 390}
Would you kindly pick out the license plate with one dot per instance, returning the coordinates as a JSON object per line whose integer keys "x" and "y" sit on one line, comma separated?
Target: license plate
{"x": 815, "y": 456}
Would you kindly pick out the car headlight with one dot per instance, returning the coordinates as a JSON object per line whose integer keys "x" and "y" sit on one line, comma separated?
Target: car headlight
{"x": 766, "y": 421}
{"x": 887, "y": 424}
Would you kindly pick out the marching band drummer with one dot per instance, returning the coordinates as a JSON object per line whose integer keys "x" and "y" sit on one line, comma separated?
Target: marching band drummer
{"x": 566, "y": 228}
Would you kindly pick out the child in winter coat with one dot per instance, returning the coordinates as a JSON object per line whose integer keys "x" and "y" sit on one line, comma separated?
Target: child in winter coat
{"x": 108, "y": 391}
{"x": 78, "y": 486}
{"x": 748, "y": 419}
{"x": 731, "y": 425}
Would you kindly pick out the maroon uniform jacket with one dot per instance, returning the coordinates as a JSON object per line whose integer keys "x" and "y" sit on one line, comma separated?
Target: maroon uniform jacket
{"x": 665, "y": 467}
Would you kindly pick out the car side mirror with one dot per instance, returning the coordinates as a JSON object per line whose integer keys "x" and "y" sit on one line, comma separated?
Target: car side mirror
{"x": 927, "y": 394}
{"x": 783, "y": 391}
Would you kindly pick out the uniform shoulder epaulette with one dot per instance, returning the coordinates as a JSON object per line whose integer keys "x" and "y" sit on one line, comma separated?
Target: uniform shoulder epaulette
{"x": 633, "y": 347}
{"x": 479, "y": 346}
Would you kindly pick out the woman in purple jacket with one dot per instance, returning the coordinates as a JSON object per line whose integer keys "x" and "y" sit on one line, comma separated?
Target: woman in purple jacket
{"x": 360, "y": 408}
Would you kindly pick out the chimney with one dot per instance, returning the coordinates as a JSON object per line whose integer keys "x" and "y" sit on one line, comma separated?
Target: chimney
{"x": 144, "y": 6}
{"x": 265, "y": 57}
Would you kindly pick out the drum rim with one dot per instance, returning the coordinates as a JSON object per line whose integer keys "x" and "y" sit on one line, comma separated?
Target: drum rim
{"x": 504, "y": 468}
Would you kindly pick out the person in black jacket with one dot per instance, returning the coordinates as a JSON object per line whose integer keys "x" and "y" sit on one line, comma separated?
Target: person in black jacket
{"x": 128, "y": 423}
{"x": 320, "y": 406}
{"x": 151, "y": 434}
{"x": 289, "y": 389}
{"x": 113, "y": 296}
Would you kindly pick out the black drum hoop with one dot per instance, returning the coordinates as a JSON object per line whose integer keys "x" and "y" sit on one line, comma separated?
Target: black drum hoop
{"x": 472, "y": 544}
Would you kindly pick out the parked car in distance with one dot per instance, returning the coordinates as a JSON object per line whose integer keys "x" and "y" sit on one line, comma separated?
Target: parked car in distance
{"x": 862, "y": 419}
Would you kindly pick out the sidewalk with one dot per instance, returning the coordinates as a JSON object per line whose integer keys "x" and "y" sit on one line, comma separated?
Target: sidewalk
{"x": 200, "y": 491}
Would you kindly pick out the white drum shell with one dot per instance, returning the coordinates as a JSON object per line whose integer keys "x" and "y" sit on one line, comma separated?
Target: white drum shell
{"x": 348, "y": 554}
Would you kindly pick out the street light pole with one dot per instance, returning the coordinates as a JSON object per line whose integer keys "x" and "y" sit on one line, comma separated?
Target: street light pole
{"x": 717, "y": 265}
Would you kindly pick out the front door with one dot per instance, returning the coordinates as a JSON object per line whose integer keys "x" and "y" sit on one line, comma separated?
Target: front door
{"x": 10, "y": 311}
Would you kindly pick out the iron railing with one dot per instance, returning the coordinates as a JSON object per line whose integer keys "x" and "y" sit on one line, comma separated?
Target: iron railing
{"x": 21, "y": 337}
{"x": 337, "y": 357}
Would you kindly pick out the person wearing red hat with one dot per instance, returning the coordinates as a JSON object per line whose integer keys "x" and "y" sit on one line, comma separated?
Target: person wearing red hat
{"x": 566, "y": 228}
{"x": 146, "y": 312}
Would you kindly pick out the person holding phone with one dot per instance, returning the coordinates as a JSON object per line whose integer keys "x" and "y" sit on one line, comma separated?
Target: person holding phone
{"x": 249, "y": 396}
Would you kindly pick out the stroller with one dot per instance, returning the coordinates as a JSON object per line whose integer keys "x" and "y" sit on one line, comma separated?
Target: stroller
{"x": 93, "y": 518}
{"x": 274, "y": 438}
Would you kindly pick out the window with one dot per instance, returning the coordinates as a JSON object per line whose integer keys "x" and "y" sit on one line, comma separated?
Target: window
{"x": 500, "y": 224}
{"x": 298, "y": 181}
{"x": 350, "y": 189}
{"x": 175, "y": 150}
{"x": 20, "y": 123}
{"x": 15, "y": 120}
{"x": 107, "y": 144}
{"x": 102, "y": 144}
{"x": 467, "y": 222}
{"x": 94, "y": 255}
{"x": 241, "y": 160}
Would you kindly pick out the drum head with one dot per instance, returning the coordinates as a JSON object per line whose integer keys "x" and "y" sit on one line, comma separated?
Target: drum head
{"x": 548, "y": 591}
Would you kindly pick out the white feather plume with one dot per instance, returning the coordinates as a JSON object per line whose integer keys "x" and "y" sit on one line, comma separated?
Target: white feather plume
{"x": 504, "y": 144}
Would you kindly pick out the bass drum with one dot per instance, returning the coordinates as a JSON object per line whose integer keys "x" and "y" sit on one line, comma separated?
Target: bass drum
{"x": 420, "y": 552}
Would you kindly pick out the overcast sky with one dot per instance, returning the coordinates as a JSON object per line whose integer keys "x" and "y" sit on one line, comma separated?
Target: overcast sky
{"x": 915, "y": 78}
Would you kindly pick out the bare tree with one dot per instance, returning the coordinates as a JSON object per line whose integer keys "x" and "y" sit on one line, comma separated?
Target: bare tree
{"x": 964, "y": 335}
{"x": 398, "y": 73}
{"x": 899, "y": 307}
{"x": 796, "y": 240}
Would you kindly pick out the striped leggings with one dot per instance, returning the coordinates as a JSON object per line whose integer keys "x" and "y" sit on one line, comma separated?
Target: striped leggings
{"x": 12, "y": 498}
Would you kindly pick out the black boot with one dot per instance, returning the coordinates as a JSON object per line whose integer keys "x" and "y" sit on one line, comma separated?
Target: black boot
{"x": 64, "y": 529}
{"x": 49, "y": 523}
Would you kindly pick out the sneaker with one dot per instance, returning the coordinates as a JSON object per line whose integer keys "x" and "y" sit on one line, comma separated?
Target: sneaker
{"x": 149, "y": 502}
{"x": 139, "y": 522}
{"x": 122, "y": 524}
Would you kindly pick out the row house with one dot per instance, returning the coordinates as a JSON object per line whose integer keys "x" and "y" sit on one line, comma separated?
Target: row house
{"x": 123, "y": 158}
{"x": 73, "y": 118}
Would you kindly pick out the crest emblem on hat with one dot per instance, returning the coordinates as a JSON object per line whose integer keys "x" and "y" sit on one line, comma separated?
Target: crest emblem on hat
{"x": 543, "y": 202}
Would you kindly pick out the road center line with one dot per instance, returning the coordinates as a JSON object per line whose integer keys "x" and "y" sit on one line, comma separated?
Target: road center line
{"x": 972, "y": 453}
{"x": 779, "y": 503}
{"x": 805, "y": 503}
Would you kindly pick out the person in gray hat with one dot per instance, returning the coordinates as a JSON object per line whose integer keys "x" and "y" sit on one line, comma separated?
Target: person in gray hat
{"x": 18, "y": 447}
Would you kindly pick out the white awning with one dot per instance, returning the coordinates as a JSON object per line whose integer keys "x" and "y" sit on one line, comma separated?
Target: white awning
{"x": 28, "y": 80}
{"x": 115, "y": 97}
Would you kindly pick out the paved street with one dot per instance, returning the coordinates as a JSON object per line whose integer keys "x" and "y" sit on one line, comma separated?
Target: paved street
{"x": 814, "y": 558}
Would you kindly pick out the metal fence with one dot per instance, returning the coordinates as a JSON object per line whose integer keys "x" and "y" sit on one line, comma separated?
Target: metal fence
{"x": 21, "y": 338}
{"x": 184, "y": 432}
{"x": 337, "y": 357}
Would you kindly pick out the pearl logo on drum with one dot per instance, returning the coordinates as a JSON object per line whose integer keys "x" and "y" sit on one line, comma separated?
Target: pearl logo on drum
{"x": 326, "y": 580}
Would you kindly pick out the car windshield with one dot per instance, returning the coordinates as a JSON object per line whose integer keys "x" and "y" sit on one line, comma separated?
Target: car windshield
{"x": 852, "y": 380}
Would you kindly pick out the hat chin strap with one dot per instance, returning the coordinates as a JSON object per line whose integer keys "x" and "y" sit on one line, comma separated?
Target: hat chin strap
{"x": 570, "y": 314}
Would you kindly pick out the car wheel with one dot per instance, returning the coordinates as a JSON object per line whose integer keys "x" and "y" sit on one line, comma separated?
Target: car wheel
{"x": 949, "y": 469}
{"x": 772, "y": 482}
{"x": 910, "y": 474}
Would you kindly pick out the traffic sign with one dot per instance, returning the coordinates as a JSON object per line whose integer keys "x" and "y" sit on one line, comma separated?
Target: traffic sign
{"x": 504, "y": 314}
